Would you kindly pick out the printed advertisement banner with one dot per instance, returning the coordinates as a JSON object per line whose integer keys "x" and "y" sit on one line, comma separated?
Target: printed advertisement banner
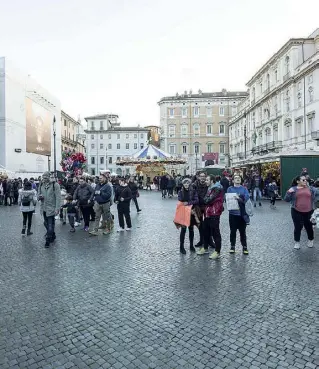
{"x": 38, "y": 128}
{"x": 211, "y": 156}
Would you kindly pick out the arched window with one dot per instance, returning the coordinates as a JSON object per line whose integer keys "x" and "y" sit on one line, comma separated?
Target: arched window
{"x": 196, "y": 129}
{"x": 287, "y": 65}
{"x": 184, "y": 130}
{"x": 299, "y": 100}
{"x": 310, "y": 90}
{"x": 209, "y": 147}
{"x": 196, "y": 147}
{"x": 184, "y": 148}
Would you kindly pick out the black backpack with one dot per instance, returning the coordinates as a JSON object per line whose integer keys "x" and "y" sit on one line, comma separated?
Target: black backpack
{"x": 26, "y": 199}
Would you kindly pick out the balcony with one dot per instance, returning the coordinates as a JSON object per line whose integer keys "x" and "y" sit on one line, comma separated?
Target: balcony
{"x": 286, "y": 77}
{"x": 265, "y": 148}
{"x": 315, "y": 135}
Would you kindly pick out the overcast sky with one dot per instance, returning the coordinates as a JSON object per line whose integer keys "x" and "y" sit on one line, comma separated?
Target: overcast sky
{"x": 122, "y": 56}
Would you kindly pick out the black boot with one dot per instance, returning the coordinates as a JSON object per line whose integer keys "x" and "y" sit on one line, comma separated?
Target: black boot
{"x": 181, "y": 241}
{"x": 182, "y": 249}
{"x": 191, "y": 240}
{"x": 23, "y": 231}
{"x": 29, "y": 233}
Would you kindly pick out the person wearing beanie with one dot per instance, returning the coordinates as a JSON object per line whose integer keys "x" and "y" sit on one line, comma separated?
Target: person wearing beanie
{"x": 27, "y": 200}
{"x": 50, "y": 196}
{"x": 188, "y": 196}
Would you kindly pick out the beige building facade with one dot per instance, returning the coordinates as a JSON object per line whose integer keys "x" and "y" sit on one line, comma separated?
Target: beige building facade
{"x": 71, "y": 134}
{"x": 195, "y": 126}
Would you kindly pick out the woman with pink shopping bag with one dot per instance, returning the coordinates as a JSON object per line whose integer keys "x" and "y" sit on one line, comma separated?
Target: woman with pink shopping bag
{"x": 186, "y": 215}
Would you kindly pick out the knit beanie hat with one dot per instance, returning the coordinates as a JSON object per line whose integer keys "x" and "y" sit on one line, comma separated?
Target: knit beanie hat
{"x": 186, "y": 180}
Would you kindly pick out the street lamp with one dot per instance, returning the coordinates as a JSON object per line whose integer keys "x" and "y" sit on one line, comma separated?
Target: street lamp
{"x": 245, "y": 135}
{"x": 54, "y": 144}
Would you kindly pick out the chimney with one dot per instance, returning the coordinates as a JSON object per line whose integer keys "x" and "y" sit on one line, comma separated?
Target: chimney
{"x": 190, "y": 93}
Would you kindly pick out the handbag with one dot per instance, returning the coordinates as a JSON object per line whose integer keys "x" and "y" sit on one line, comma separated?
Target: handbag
{"x": 183, "y": 215}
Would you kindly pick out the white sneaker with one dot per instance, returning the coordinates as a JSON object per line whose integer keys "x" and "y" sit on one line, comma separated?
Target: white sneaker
{"x": 76, "y": 224}
{"x": 297, "y": 246}
{"x": 121, "y": 230}
{"x": 310, "y": 243}
{"x": 128, "y": 229}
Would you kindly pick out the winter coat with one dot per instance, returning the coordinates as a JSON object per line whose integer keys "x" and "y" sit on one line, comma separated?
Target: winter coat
{"x": 193, "y": 196}
{"x": 25, "y": 197}
{"x": 83, "y": 194}
{"x": 103, "y": 193}
{"x": 52, "y": 198}
{"x": 70, "y": 208}
{"x": 164, "y": 182}
{"x": 125, "y": 192}
{"x": 291, "y": 197}
{"x": 214, "y": 200}
{"x": 133, "y": 187}
{"x": 171, "y": 183}
{"x": 225, "y": 183}
{"x": 201, "y": 189}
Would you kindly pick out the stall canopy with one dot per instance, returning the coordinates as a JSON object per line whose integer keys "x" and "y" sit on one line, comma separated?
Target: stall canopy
{"x": 151, "y": 155}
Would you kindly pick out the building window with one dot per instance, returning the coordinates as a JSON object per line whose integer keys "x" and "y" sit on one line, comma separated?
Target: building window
{"x": 184, "y": 112}
{"x": 184, "y": 130}
{"x": 171, "y": 131}
{"x": 102, "y": 160}
{"x": 64, "y": 122}
{"x": 209, "y": 129}
{"x": 222, "y": 148}
{"x": 276, "y": 75}
{"x": 110, "y": 136}
{"x": 92, "y": 146}
{"x": 135, "y": 135}
{"x": 72, "y": 137}
{"x": 118, "y": 158}
{"x": 209, "y": 147}
{"x": 101, "y": 137}
{"x": 92, "y": 136}
{"x": 171, "y": 112}
{"x": 110, "y": 159}
{"x": 254, "y": 94}
{"x": 93, "y": 171}
{"x": 110, "y": 146}
{"x": 196, "y": 111}
{"x": 310, "y": 79}
{"x": 234, "y": 110}
{"x": 93, "y": 160}
{"x": 268, "y": 81}
{"x": 221, "y": 129}
{"x": 142, "y": 135}
{"x": 287, "y": 65}
{"x": 135, "y": 146}
{"x": 261, "y": 88}
{"x": 127, "y": 146}
{"x": 221, "y": 111}
{"x": 196, "y": 129}
{"x": 101, "y": 125}
{"x": 92, "y": 126}
{"x": 184, "y": 149}
{"x": 310, "y": 94}
{"x": 101, "y": 146}
{"x": 209, "y": 111}
{"x": 288, "y": 131}
{"x": 196, "y": 148}
{"x": 118, "y": 146}
{"x": 298, "y": 131}
{"x": 172, "y": 149}
{"x": 299, "y": 100}
{"x": 142, "y": 146}
{"x": 127, "y": 135}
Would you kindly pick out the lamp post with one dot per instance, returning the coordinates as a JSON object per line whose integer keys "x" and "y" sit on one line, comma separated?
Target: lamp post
{"x": 54, "y": 145}
{"x": 245, "y": 136}
{"x": 196, "y": 153}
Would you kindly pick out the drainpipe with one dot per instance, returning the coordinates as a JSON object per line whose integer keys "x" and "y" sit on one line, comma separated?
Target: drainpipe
{"x": 304, "y": 98}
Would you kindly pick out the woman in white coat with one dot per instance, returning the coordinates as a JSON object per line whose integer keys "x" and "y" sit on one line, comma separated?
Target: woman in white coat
{"x": 27, "y": 201}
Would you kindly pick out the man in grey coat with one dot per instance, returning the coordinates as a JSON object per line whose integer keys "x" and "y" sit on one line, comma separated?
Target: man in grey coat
{"x": 50, "y": 196}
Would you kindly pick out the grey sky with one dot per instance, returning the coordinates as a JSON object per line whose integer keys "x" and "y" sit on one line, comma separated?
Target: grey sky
{"x": 122, "y": 56}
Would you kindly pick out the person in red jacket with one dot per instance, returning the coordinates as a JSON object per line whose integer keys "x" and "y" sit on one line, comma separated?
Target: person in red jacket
{"x": 214, "y": 207}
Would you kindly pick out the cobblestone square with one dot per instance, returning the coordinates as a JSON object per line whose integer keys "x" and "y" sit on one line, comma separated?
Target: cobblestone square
{"x": 131, "y": 300}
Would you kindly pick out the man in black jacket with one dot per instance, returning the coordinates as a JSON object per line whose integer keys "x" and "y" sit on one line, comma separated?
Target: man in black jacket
{"x": 102, "y": 202}
{"x": 123, "y": 197}
{"x": 201, "y": 188}
{"x": 134, "y": 189}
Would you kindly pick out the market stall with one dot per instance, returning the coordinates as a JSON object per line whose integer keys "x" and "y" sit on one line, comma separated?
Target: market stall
{"x": 151, "y": 161}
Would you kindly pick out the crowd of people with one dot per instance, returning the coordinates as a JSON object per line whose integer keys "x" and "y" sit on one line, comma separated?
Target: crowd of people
{"x": 89, "y": 200}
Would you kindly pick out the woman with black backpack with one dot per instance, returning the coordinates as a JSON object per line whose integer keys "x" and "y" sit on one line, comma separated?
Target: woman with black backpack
{"x": 27, "y": 201}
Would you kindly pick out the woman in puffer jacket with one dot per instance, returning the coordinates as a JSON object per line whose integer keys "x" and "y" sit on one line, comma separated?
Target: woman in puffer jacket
{"x": 27, "y": 201}
{"x": 214, "y": 207}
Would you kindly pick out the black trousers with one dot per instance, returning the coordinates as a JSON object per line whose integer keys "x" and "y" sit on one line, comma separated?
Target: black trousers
{"x": 92, "y": 213}
{"x": 211, "y": 229}
{"x": 86, "y": 211}
{"x": 71, "y": 218}
{"x": 123, "y": 210}
{"x": 272, "y": 199}
{"x": 191, "y": 236}
{"x": 237, "y": 222}
{"x": 302, "y": 220}
{"x": 27, "y": 216}
{"x": 136, "y": 203}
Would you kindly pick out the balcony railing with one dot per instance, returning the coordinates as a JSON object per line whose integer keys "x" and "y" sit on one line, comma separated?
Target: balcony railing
{"x": 286, "y": 77}
{"x": 266, "y": 147}
{"x": 315, "y": 135}
{"x": 267, "y": 90}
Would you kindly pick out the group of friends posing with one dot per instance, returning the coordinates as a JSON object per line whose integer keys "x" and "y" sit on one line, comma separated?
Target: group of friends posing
{"x": 86, "y": 197}
{"x": 206, "y": 197}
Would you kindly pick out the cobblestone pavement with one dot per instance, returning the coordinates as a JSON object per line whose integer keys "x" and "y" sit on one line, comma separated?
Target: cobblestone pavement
{"x": 132, "y": 301}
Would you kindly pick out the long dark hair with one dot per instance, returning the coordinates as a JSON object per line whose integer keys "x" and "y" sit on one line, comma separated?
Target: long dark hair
{"x": 27, "y": 186}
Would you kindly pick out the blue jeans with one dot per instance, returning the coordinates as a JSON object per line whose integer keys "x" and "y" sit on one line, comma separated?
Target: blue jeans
{"x": 257, "y": 194}
{"x": 49, "y": 223}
